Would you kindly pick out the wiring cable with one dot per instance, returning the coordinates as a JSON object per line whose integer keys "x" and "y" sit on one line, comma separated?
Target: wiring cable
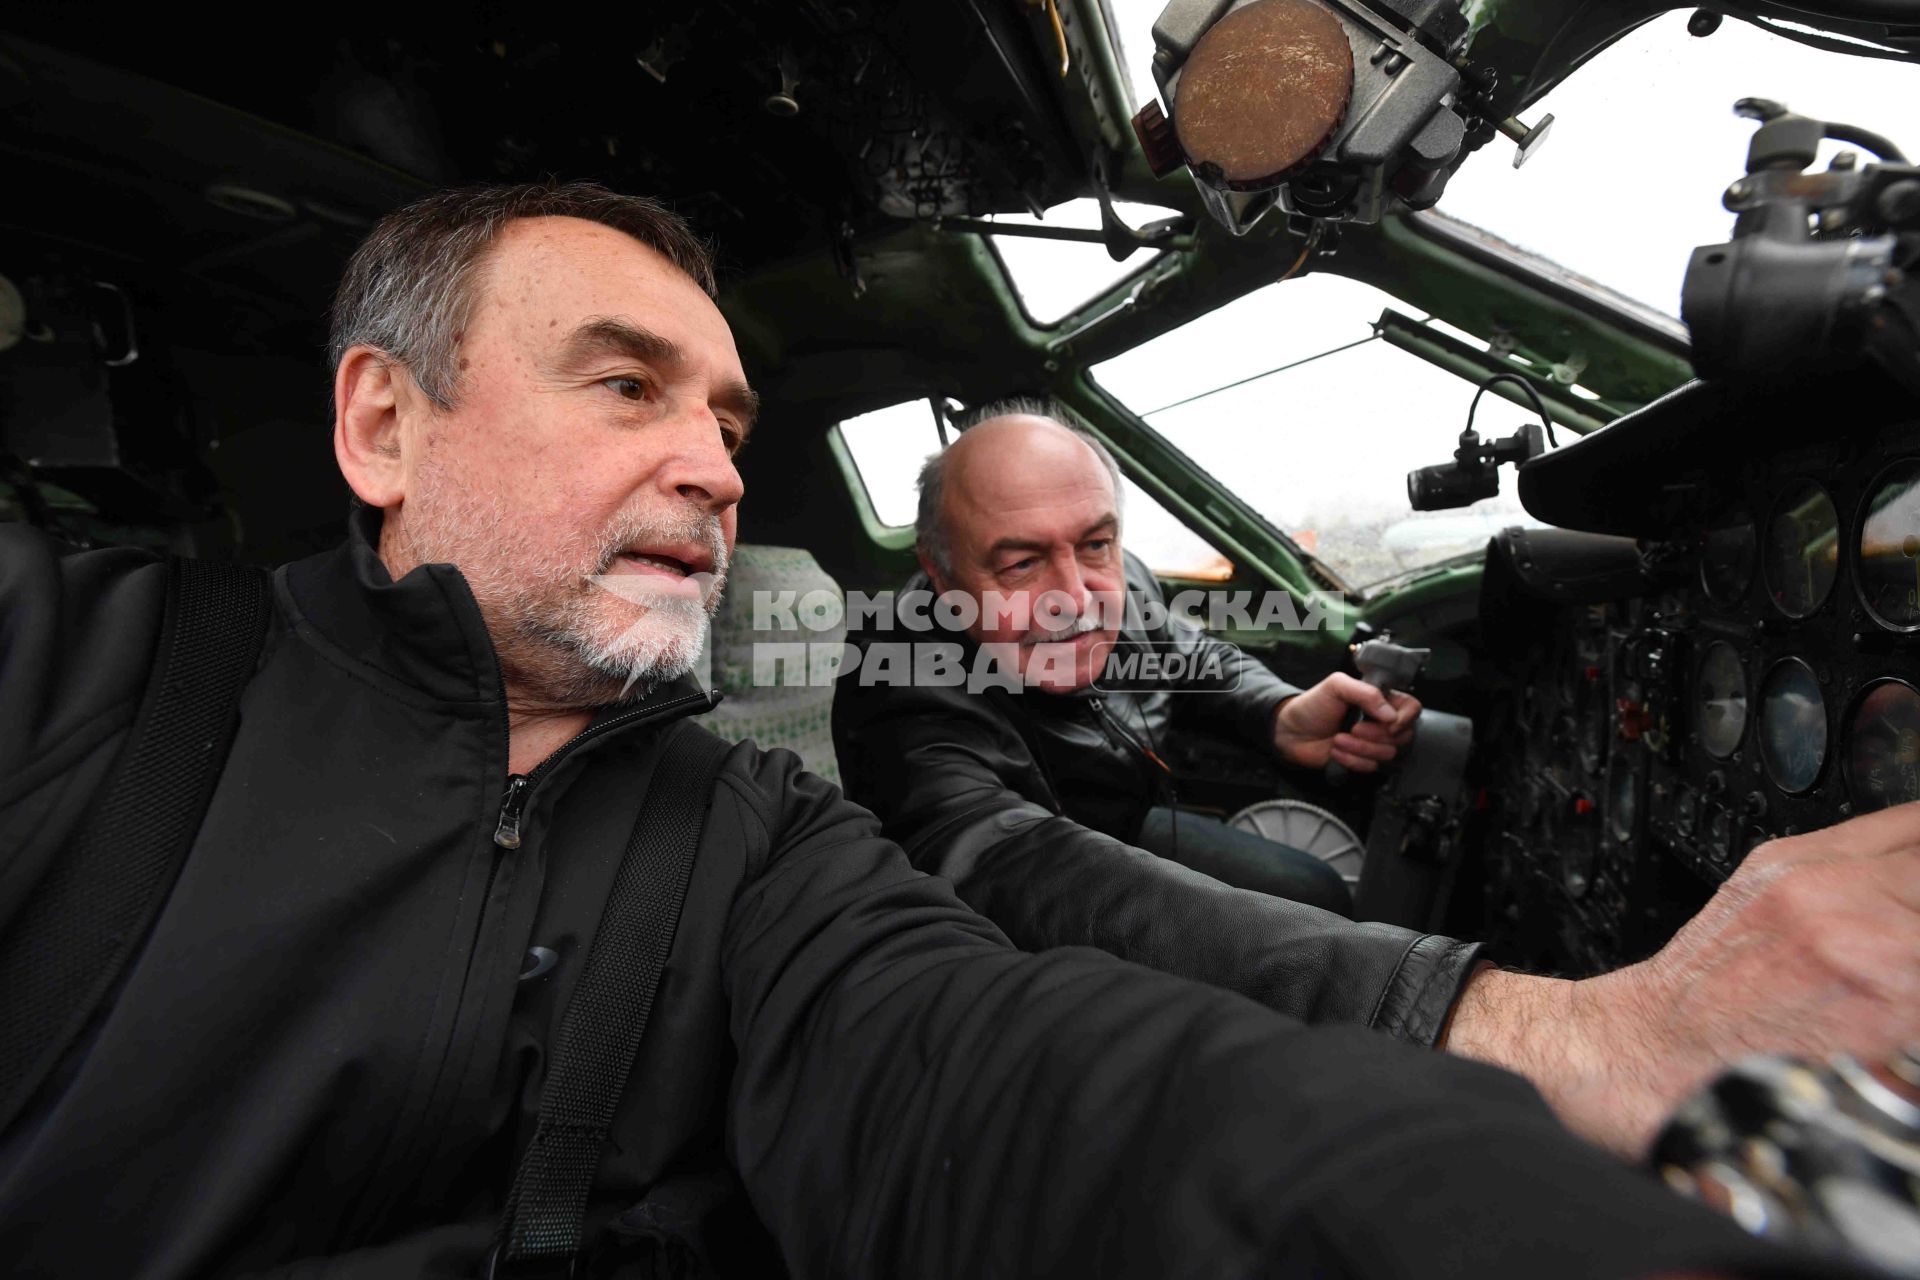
{"x": 1533, "y": 394}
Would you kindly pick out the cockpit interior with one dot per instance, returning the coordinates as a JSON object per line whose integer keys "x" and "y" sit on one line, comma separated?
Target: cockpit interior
{"x": 1683, "y": 619}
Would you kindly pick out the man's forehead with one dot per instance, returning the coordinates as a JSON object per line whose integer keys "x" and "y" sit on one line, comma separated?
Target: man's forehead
{"x": 554, "y": 274}
{"x": 540, "y": 244}
{"x": 1035, "y": 506}
{"x": 1026, "y": 464}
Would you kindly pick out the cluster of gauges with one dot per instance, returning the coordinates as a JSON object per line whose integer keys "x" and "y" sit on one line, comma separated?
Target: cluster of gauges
{"x": 1881, "y": 740}
{"x": 1799, "y": 561}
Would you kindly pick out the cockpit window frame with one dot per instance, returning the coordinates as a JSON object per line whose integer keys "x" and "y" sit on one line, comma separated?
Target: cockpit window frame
{"x": 1085, "y": 307}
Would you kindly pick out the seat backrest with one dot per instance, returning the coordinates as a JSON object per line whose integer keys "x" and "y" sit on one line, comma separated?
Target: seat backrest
{"x": 775, "y": 644}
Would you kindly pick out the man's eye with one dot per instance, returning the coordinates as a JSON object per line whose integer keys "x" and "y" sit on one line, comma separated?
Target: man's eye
{"x": 627, "y": 388}
{"x": 1098, "y": 545}
{"x": 1019, "y": 566}
{"x": 732, "y": 439}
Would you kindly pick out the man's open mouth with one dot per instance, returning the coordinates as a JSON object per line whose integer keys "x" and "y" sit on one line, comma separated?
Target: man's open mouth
{"x": 677, "y": 569}
{"x": 664, "y": 564}
{"x": 677, "y": 562}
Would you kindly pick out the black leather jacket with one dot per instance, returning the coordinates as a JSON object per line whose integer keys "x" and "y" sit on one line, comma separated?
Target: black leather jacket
{"x": 1026, "y": 801}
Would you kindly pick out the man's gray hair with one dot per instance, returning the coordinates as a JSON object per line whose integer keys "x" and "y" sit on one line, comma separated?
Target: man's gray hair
{"x": 930, "y": 534}
{"x": 409, "y": 289}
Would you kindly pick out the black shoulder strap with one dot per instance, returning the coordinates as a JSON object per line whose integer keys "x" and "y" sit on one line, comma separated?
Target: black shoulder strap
{"x": 607, "y": 1016}
{"x": 86, "y": 918}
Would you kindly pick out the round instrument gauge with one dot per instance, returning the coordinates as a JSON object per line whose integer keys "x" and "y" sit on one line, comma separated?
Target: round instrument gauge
{"x": 1726, "y": 562}
{"x": 1720, "y": 700}
{"x": 1793, "y": 725}
{"x": 1888, "y": 552}
{"x": 1803, "y": 550}
{"x": 1882, "y": 747}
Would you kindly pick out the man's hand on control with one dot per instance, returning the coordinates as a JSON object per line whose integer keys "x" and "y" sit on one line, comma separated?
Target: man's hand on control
{"x": 1309, "y": 729}
{"x": 1811, "y": 947}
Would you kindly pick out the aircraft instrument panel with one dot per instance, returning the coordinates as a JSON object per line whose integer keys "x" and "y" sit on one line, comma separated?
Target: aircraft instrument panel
{"x": 1751, "y": 670}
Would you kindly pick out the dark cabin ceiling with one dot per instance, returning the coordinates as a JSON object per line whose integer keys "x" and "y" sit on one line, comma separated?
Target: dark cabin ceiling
{"x": 903, "y": 110}
{"x": 218, "y": 185}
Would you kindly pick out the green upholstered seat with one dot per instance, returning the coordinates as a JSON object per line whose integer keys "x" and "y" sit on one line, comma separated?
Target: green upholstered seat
{"x": 778, "y": 598}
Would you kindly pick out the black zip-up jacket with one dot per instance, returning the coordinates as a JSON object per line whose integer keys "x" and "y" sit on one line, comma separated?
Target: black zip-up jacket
{"x": 1026, "y": 801}
{"x": 323, "y": 1057}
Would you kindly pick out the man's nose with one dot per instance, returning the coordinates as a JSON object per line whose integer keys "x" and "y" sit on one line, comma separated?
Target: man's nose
{"x": 1070, "y": 583}
{"x": 700, "y": 469}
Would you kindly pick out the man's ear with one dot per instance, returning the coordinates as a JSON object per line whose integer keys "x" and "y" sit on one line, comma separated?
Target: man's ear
{"x": 927, "y": 567}
{"x": 367, "y": 392}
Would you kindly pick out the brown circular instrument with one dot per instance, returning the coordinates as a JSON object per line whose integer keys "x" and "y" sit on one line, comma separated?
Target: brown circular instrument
{"x": 1263, "y": 92}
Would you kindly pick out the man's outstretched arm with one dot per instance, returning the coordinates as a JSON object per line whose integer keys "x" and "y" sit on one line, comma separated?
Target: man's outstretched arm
{"x": 1811, "y": 947}
{"x": 914, "y": 1097}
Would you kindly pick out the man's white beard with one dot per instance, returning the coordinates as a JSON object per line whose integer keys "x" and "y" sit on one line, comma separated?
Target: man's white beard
{"x": 664, "y": 641}
{"x": 557, "y": 629}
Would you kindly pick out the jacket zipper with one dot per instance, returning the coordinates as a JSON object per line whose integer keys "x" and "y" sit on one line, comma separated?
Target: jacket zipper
{"x": 506, "y": 835}
{"x": 1109, "y": 720}
{"x": 520, "y": 786}
{"x": 1126, "y": 736}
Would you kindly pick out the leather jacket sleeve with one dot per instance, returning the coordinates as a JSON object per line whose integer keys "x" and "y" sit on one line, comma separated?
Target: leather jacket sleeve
{"x": 1247, "y": 692}
{"x": 956, "y": 785}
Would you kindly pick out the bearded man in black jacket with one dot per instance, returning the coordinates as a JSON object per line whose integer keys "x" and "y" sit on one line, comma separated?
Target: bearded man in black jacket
{"x": 1029, "y": 794}
{"x": 326, "y": 1052}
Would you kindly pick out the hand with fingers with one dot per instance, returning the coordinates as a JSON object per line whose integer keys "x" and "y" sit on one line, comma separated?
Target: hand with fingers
{"x": 1310, "y": 729}
{"x": 1812, "y": 947}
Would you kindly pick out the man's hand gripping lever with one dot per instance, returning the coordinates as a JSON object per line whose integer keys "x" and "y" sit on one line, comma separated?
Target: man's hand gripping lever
{"x": 1353, "y": 725}
{"x": 1385, "y": 666}
{"x": 1812, "y": 947}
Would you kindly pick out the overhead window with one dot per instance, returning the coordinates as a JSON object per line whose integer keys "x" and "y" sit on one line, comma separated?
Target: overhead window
{"x": 1054, "y": 278}
{"x": 1133, "y": 20}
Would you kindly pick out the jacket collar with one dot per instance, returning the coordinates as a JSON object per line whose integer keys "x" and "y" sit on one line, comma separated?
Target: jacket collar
{"x": 424, "y": 631}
